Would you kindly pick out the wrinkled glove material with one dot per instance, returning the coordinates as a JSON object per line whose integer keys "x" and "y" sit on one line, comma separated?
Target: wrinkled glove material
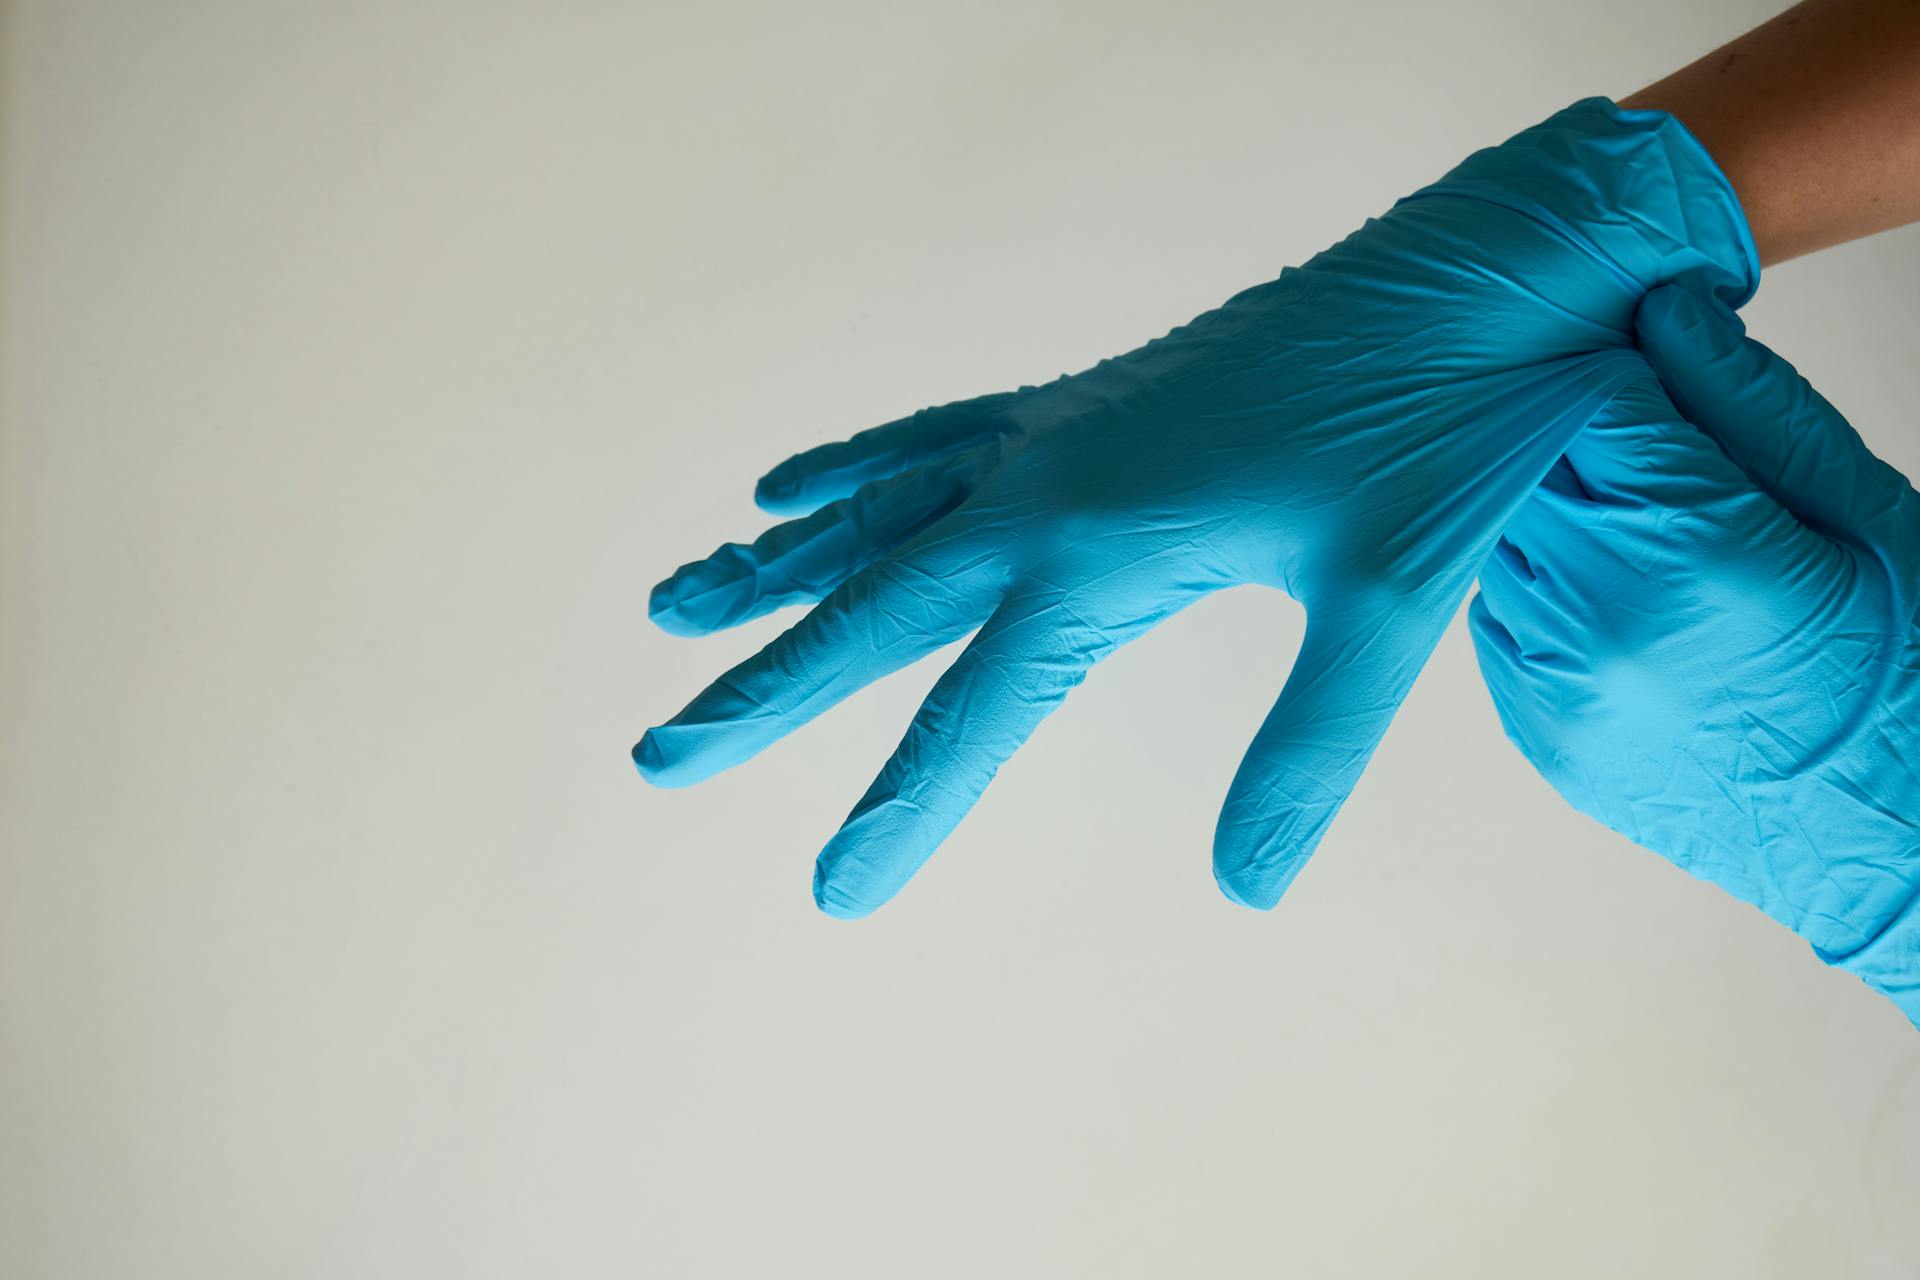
{"x": 1702, "y": 630}
{"x": 1356, "y": 433}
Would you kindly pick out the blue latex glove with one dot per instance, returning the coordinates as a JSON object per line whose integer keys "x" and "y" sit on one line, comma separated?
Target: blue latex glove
{"x": 1705, "y": 636}
{"x": 1355, "y": 433}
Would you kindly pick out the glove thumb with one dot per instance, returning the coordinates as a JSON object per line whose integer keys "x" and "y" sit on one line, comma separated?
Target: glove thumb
{"x": 1356, "y": 663}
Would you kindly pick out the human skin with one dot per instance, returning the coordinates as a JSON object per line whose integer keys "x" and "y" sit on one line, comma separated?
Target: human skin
{"x": 1814, "y": 116}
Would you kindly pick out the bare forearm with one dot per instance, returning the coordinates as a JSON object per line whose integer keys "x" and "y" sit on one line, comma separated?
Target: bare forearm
{"x": 1815, "y": 118}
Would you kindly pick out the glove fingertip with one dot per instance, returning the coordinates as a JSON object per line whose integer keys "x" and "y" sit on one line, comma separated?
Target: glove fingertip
{"x": 1254, "y": 863}
{"x": 1246, "y": 892}
{"x": 665, "y": 610}
{"x": 834, "y": 900}
{"x": 836, "y": 895}
{"x": 663, "y": 765}
{"x": 872, "y": 856}
{"x": 1256, "y": 857}
{"x": 649, "y": 759}
{"x": 1686, "y": 326}
{"x": 778, "y": 493}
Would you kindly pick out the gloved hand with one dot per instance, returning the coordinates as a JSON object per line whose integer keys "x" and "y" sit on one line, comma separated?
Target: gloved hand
{"x": 1356, "y": 433}
{"x": 1706, "y": 637}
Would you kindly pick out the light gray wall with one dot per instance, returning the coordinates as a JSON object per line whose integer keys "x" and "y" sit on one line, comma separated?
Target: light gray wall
{"x": 364, "y": 363}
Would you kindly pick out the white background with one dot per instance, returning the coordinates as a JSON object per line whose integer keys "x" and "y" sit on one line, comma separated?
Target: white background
{"x": 365, "y": 363}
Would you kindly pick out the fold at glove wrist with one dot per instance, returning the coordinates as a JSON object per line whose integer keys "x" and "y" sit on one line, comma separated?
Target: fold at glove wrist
{"x": 1631, "y": 187}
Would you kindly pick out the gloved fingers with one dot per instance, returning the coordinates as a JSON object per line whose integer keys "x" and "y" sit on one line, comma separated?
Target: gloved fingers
{"x": 1638, "y": 452}
{"x": 1490, "y": 635}
{"x": 1525, "y": 608}
{"x": 927, "y": 595}
{"x": 1512, "y": 678}
{"x": 832, "y": 471}
{"x": 801, "y": 560}
{"x": 1022, "y": 664}
{"x": 1556, "y": 518}
{"x": 1354, "y": 668}
{"x": 1665, "y": 497}
{"x": 1764, "y": 415}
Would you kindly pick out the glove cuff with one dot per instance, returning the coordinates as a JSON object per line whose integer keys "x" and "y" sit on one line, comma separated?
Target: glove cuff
{"x": 1633, "y": 188}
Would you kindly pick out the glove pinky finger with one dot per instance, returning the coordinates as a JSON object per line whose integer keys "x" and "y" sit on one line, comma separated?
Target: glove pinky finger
{"x": 830, "y": 472}
{"x": 800, "y": 561}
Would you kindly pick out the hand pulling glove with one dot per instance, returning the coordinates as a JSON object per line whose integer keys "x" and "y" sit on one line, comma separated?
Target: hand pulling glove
{"x": 1703, "y": 633}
